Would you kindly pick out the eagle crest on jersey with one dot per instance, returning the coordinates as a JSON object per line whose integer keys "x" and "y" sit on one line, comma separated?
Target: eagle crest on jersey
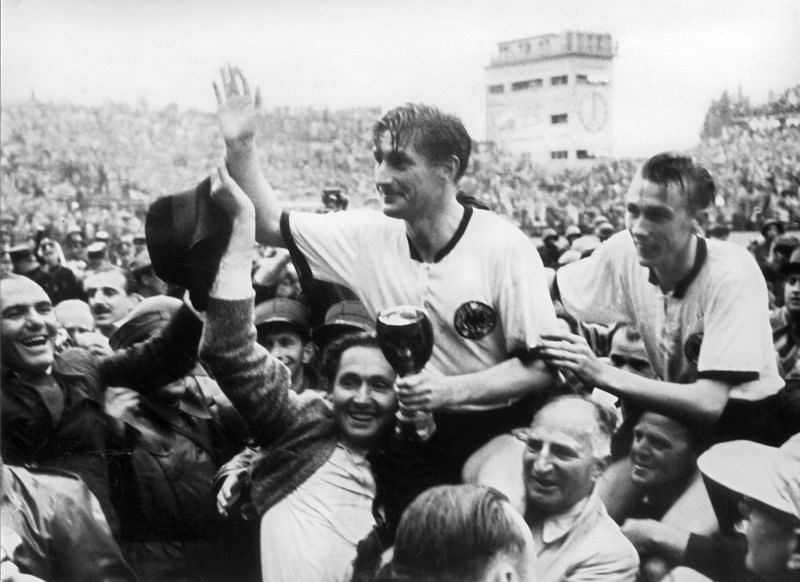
{"x": 474, "y": 319}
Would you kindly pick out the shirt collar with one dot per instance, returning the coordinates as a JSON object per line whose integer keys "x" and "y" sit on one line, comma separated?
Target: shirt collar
{"x": 442, "y": 253}
{"x": 683, "y": 285}
{"x": 557, "y": 526}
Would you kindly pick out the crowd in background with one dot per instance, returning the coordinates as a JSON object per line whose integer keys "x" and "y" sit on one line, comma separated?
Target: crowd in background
{"x": 98, "y": 168}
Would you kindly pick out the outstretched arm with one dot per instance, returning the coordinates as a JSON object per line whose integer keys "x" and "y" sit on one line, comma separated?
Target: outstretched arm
{"x": 239, "y": 114}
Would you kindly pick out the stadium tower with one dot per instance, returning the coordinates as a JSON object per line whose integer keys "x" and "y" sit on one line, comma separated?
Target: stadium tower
{"x": 549, "y": 97}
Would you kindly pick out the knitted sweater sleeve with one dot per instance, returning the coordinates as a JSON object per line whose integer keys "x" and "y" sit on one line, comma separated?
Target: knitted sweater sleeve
{"x": 256, "y": 383}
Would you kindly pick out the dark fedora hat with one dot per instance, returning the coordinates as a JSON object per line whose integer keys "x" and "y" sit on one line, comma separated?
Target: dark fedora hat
{"x": 186, "y": 236}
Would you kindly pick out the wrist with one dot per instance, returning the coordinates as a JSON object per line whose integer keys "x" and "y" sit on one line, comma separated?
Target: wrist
{"x": 241, "y": 145}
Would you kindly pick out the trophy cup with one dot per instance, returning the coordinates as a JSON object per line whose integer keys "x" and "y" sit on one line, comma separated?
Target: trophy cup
{"x": 405, "y": 335}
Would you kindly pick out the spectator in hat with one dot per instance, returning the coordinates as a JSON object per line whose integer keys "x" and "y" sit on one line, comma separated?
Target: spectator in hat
{"x": 785, "y": 320}
{"x": 124, "y": 252}
{"x": 765, "y": 481}
{"x": 782, "y": 249}
{"x": 462, "y": 532}
{"x": 770, "y": 230}
{"x": 549, "y": 250}
{"x": 166, "y": 447}
{"x": 74, "y": 250}
{"x": 312, "y": 483}
{"x": 283, "y": 328}
{"x": 147, "y": 283}
{"x": 110, "y": 297}
{"x": 342, "y": 318}
{"x": 139, "y": 243}
{"x": 58, "y": 280}
{"x": 25, "y": 262}
{"x": 572, "y": 233}
{"x": 603, "y": 230}
{"x": 97, "y": 257}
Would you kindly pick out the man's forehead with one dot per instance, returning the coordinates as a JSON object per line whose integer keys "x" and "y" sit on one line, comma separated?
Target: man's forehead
{"x": 108, "y": 279}
{"x": 15, "y": 291}
{"x": 625, "y": 347}
{"x": 646, "y": 193}
{"x": 392, "y": 142}
{"x": 570, "y": 423}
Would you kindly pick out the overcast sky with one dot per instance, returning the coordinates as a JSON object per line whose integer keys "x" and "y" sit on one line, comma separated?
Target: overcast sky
{"x": 674, "y": 55}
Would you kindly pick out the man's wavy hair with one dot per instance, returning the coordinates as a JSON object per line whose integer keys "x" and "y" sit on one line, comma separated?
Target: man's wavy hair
{"x": 452, "y": 533}
{"x": 694, "y": 181}
{"x": 437, "y": 136}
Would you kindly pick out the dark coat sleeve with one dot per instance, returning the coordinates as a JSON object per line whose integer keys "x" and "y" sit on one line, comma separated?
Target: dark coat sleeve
{"x": 167, "y": 356}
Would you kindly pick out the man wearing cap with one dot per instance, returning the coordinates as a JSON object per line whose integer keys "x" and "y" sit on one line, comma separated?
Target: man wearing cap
{"x": 148, "y": 284}
{"x": 700, "y": 306}
{"x": 312, "y": 483}
{"x": 572, "y": 233}
{"x": 283, "y": 328}
{"x": 785, "y": 320}
{"x": 344, "y": 317}
{"x": 765, "y": 483}
{"x": 58, "y": 280}
{"x": 549, "y": 250}
{"x": 165, "y": 449}
{"x": 476, "y": 275}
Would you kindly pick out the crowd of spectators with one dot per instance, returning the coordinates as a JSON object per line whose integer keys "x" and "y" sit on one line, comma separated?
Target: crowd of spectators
{"x": 98, "y": 168}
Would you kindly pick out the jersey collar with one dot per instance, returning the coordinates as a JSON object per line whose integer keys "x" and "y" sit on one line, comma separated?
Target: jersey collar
{"x": 699, "y": 259}
{"x": 443, "y": 252}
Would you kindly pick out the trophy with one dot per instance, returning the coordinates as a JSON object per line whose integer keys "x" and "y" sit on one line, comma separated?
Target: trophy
{"x": 405, "y": 335}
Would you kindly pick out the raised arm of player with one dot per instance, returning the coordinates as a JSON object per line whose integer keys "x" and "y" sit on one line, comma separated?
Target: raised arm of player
{"x": 239, "y": 114}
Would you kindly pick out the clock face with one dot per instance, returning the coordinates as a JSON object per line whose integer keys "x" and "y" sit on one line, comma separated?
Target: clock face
{"x": 593, "y": 112}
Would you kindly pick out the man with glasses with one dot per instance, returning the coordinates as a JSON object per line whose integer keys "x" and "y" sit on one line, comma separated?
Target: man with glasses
{"x": 566, "y": 450}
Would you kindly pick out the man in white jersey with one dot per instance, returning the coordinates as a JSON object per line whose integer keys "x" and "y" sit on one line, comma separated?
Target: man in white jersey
{"x": 700, "y": 305}
{"x": 477, "y": 275}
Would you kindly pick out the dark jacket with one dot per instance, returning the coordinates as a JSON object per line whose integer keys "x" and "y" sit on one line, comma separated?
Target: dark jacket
{"x": 58, "y": 536}
{"x": 57, "y": 420}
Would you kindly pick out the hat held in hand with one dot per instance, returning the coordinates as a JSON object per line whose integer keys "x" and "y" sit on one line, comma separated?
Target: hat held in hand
{"x": 187, "y": 234}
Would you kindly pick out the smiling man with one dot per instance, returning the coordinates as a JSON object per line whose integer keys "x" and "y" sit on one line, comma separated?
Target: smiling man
{"x": 52, "y": 404}
{"x": 479, "y": 278}
{"x": 700, "y": 306}
{"x": 567, "y": 448}
{"x": 312, "y": 479}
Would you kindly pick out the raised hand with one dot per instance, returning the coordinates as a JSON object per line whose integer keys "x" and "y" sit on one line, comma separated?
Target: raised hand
{"x": 238, "y": 111}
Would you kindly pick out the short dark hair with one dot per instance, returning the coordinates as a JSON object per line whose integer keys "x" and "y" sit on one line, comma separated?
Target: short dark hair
{"x": 694, "y": 181}
{"x": 129, "y": 280}
{"x": 434, "y": 134}
{"x": 332, "y": 356}
{"x": 451, "y": 533}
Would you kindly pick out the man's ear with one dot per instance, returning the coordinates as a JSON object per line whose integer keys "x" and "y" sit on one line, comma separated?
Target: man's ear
{"x": 451, "y": 167}
{"x": 601, "y": 464}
